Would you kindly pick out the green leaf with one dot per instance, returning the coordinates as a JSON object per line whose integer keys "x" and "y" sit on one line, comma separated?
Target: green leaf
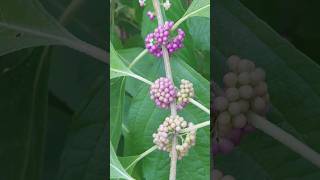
{"x": 85, "y": 153}
{"x": 117, "y": 90}
{"x": 116, "y": 169}
{"x": 145, "y": 117}
{"x": 199, "y": 28}
{"x": 27, "y": 24}
{"x": 117, "y": 67}
{"x": 126, "y": 161}
{"x": 198, "y": 8}
{"x": 290, "y": 74}
{"x": 23, "y": 107}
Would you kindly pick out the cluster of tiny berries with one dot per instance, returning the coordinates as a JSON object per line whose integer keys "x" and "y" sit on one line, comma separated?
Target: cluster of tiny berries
{"x": 151, "y": 15}
{"x": 218, "y": 175}
{"x": 163, "y": 92}
{"x": 185, "y": 92}
{"x": 174, "y": 125}
{"x": 245, "y": 90}
{"x": 160, "y": 37}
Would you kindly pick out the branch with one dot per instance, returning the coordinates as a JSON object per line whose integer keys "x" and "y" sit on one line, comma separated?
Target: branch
{"x": 197, "y": 126}
{"x": 173, "y": 164}
{"x": 285, "y": 138}
{"x": 199, "y": 105}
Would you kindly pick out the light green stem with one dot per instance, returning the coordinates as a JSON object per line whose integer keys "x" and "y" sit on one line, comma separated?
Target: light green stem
{"x": 141, "y": 156}
{"x": 284, "y": 137}
{"x": 144, "y": 52}
{"x": 197, "y": 126}
{"x": 199, "y": 105}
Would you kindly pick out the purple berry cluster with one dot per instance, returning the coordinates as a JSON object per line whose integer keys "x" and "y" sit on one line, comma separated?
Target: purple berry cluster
{"x": 163, "y": 92}
{"x": 245, "y": 90}
{"x": 151, "y": 15}
{"x": 161, "y": 36}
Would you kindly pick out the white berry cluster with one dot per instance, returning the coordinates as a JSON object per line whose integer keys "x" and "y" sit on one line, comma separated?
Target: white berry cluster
{"x": 185, "y": 92}
{"x": 218, "y": 175}
{"x": 174, "y": 125}
{"x": 245, "y": 90}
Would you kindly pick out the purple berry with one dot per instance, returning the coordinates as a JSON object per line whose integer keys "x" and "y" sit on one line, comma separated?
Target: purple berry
{"x": 225, "y": 146}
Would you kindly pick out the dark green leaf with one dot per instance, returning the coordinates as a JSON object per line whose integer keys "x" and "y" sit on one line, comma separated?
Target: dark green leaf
{"x": 26, "y": 24}
{"x": 85, "y": 152}
{"x": 292, "y": 79}
{"x": 117, "y": 90}
{"x": 24, "y": 96}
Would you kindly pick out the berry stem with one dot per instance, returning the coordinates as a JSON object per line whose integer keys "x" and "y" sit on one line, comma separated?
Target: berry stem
{"x": 144, "y": 52}
{"x": 173, "y": 164}
{"x": 197, "y": 126}
{"x": 141, "y": 156}
{"x": 132, "y": 75}
{"x": 284, "y": 137}
{"x": 199, "y": 105}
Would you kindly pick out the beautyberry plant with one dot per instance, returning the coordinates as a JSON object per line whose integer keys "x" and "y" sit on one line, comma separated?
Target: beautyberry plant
{"x": 171, "y": 118}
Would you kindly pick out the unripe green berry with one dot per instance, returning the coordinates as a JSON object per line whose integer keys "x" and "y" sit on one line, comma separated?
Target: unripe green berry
{"x": 234, "y": 108}
{"x": 244, "y": 66}
{"x": 257, "y": 75}
{"x": 246, "y": 92}
{"x": 261, "y": 89}
{"x": 232, "y": 94}
{"x": 220, "y": 103}
{"x": 258, "y": 104}
{"x": 233, "y": 62}
{"x": 244, "y": 78}
{"x": 239, "y": 121}
{"x": 230, "y": 79}
{"x": 224, "y": 118}
{"x": 244, "y": 106}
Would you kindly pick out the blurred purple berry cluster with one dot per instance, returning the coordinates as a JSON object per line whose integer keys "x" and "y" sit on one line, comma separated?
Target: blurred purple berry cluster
{"x": 151, "y": 15}
{"x": 226, "y": 144}
{"x": 161, "y": 36}
{"x": 163, "y": 92}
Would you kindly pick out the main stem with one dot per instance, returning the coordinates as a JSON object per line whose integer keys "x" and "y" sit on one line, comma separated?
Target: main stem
{"x": 166, "y": 60}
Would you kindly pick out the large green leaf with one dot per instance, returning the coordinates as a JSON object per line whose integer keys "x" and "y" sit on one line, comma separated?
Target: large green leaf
{"x": 289, "y": 75}
{"x": 117, "y": 90}
{"x": 198, "y": 8}
{"x": 85, "y": 153}
{"x": 145, "y": 117}
{"x": 23, "y": 109}
{"x": 199, "y": 28}
{"x": 26, "y": 24}
{"x": 117, "y": 67}
{"x": 116, "y": 169}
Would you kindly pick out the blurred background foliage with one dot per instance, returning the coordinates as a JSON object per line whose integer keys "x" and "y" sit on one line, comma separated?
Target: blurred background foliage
{"x": 58, "y": 107}
{"x": 294, "y": 20}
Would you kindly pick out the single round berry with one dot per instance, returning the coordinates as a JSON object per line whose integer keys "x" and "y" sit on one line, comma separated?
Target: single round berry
{"x": 163, "y": 92}
{"x": 233, "y": 62}
{"x": 151, "y": 15}
{"x": 230, "y": 79}
{"x": 244, "y": 78}
{"x": 239, "y": 121}
{"x": 234, "y": 108}
{"x": 232, "y": 94}
{"x": 246, "y": 92}
{"x": 220, "y": 103}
